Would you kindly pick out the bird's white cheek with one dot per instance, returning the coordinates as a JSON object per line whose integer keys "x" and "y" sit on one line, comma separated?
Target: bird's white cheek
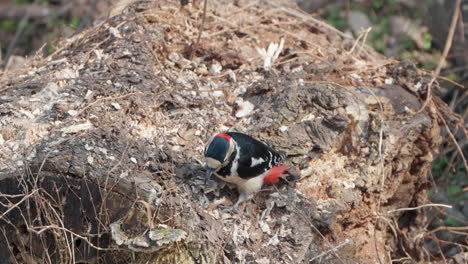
{"x": 212, "y": 163}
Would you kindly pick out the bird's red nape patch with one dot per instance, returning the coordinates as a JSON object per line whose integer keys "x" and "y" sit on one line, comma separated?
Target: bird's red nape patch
{"x": 275, "y": 173}
{"x": 224, "y": 135}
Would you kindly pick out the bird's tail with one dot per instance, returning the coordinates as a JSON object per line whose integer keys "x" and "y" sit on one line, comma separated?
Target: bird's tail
{"x": 275, "y": 173}
{"x": 282, "y": 154}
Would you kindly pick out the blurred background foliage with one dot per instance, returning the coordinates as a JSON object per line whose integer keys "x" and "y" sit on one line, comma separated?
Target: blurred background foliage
{"x": 414, "y": 30}
{"x": 27, "y": 26}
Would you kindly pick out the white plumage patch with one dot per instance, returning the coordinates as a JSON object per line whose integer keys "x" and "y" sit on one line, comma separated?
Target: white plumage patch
{"x": 256, "y": 162}
{"x": 271, "y": 158}
{"x": 247, "y": 186}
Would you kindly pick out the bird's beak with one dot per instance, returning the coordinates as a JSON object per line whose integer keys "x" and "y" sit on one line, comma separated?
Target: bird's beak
{"x": 208, "y": 173}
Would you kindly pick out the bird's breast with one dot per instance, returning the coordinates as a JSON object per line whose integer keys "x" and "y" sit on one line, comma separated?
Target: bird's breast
{"x": 233, "y": 178}
{"x": 250, "y": 185}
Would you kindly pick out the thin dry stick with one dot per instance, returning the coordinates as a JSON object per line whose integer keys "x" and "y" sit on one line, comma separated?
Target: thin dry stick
{"x": 364, "y": 39}
{"x": 107, "y": 191}
{"x": 200, "y": 30}
{"x": 148, "y": 212}
{"x": 448, "y": 45}
{"x": 454, "y": 141}
{"x": 8, "y": 244}
{"x": 461, "y": 24}
{"x": 390, "y": 224}
{"x": 444, "y": 213}
{"x": 41, "y": 229}
{"x": 68, "y": 240}
{"x": 363, "y": 36}
{"x": 330, "y": 250}
{"x": 12, "y": 195}
{"x": 449, "y": 242}
{"x": 18, "y": 203}
{"x": 448, "y": 228}
{"x": 419, "y": 207}
{"x": 355, "y": 43}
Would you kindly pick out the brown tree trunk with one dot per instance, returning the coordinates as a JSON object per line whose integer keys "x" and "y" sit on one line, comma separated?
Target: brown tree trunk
{"x": 102, "y": 142}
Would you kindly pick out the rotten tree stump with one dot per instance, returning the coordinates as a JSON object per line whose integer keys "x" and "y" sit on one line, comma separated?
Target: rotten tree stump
{"x": 102, "y": 142}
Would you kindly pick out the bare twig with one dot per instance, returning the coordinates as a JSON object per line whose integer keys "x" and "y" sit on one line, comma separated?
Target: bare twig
{"x": 461, "y": 24}
{"x": 447, "y": 242}
{"x": 148, "y": 213}
{"x": 39, "y": 229}
{"x": 60, "y": 218}
{"x": 362, "y": 38}
{"x": 444, "y": 213}
{"x": 200, "y": 30}
{"x": 330, "y": 250}
{"x": 12, "y": 195}
{"x": 444, "y": 78}
{"x": 448, "y": 45}
{"x": 440, "y": 249}
{"x": 448, "y": 228}
{"x": 419, "y": 207}
{"x": 8, "y": 243}
{"x": 18, "y": 203}
{"x": 454, "y": 141}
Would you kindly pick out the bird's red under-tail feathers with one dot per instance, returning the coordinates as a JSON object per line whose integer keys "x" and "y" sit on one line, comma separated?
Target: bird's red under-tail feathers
{"x": 275, "y": 173}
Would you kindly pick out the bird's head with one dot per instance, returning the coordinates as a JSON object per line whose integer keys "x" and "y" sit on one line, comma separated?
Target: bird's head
{"x": 217, "y": 153}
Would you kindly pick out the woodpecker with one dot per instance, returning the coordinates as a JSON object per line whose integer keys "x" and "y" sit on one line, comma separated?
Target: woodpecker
{"x": 244, "y": 161}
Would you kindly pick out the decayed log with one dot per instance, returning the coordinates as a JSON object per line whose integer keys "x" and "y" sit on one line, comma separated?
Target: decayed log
{"x": 102, "y": 142}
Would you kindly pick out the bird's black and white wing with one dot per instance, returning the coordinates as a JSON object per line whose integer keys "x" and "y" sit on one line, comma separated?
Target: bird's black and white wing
{"x": 255, "y": 157}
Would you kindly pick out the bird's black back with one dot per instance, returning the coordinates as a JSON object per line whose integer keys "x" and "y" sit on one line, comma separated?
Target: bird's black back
{"x": 249, "y": 148}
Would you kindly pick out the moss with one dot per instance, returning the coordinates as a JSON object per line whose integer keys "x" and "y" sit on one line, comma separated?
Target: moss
{"x": 377, "y": 35}
{"x": 335, "y": 18}
{"x": 427, "y": 41}
{"x": 8, "y": 25}
{"x": 428, "y": 65}
{"x": 406, "y": 43}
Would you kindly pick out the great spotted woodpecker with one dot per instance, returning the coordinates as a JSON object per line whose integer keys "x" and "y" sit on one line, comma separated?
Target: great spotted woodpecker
{"x": 244, "y": 161}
